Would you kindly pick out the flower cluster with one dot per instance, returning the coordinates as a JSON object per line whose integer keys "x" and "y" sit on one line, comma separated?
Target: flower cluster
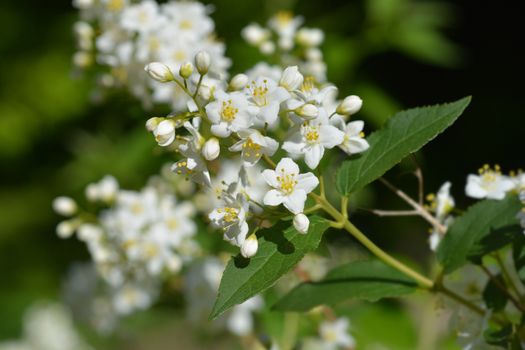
{"x": 246, "y": 119}
{"x": 123, "y": 35}
{"x": 296, "y": 45}
{"x": 133, "y": 240}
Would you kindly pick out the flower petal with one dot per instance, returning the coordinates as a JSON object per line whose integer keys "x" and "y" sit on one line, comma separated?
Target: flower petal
{"x": 307, "y": 182}
{"x": 273, "y": 197}
{"x": 294, "y": 202}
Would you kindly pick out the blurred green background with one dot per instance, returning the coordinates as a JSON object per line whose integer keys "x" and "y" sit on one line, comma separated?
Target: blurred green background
{"x": 393, "y": 53}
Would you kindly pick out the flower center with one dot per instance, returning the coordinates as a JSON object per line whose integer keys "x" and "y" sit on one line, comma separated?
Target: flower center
{"x": 251, "y": 148}
{"x": 287, "y": 182}
{"x": 284, "y": 18}
{"x": 259, "y": 93}
{"x": 115, "y": 5}
{"x": 489, "y": 176}
{"x": 311, "y": 133}
{"x": 230, "y": 214}
{"x": 186, "y": 24}
{"x": 308, "y": 84}
{"x": 229, "y": 112}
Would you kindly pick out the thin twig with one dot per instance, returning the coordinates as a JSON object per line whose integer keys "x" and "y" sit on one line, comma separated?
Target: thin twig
{"x": 394, "y": 212}
{"x": 422, "y": 211}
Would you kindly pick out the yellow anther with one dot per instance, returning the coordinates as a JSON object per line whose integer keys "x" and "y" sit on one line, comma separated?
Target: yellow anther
{"x": 229, "y": 112}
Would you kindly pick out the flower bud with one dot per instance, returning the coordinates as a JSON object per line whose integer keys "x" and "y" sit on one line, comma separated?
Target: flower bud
{"x": 254, "y": 34}
{"x": 165, "y": 132}
{"x": 64, "y": 206}
{"x": 238, "y": 82}
{"x": 309, "y": 37}
{"x": 350, "y": 105}
{"x": 159, "y": 71}
{"x": 267, "y": 48}
{"x": 186, "y": 70}
{"x": 250, "y": 246}
{"x": 301, "y": 223}
{"x": 65, "y": 229}
{"x": 89, "y": 232}
{"x": 291, "y": 78}
{"x": 152, "y": 123}
{"x": 211, "y": 149}
{"x": 202, "y": 62}
{"x": 307, "y": 111}
{"x": 82, "y": 59}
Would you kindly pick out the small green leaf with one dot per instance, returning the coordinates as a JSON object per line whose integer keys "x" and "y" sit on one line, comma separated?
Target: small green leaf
{"x": 404, "y": 133}
{"x": 493, "y": 296}
{"x": 370, "y": 280}
{"x": 281, "y": 247}
{"x": 485, "y": 227}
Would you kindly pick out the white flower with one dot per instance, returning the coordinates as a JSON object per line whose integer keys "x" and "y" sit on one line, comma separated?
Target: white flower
{"x": 131, "y": 298}
{"x": 309, "y": 37}
{"x": 265, "y": 94}
{"x": 488, "y": 184}
{"x": 249, "y": 246}
{"x": 350, "y": 105}
{"x": 312, "y": 137}
{"x": 202, "y": 62}
{"x": 254, "y": 34}
{"x": 64, "y": 206}
{"x": 335, "y": 334}
{"x": 301, "y": 223}
{"x": 353, "y": 141}
{"x": 159, "y": 72}
{"x": 165, "y": 132}
{"x": 229, "y": 113}
{"x": 253, "y": 146}
{"x": 105, "y": 190}
{"x": 211, "y": 149}
{"x": 141, "y": 17}
{"x": 240, "y": 320}
{"x": 290, "y": 187}
{"x": 285, "y": 25}
{"x": 232, "y": 219}
{"x": 291, "y": 78}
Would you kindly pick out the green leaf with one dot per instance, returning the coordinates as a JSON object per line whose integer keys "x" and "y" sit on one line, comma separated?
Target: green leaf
{"x": 404, "y": 133}
{"x": 493, "y": 296}
{"x": 281, "y": 247}
{"x": 370, "y": 280}
{"x": 485, "y": 227}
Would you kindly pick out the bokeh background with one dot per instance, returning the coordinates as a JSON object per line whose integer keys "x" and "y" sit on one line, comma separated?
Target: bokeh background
{"x": 393, "y": 53}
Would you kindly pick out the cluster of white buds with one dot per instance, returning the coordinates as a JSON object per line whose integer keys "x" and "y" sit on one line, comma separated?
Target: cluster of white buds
{"x": 134, "y": 240}
{"x": 130, "y": 34}
{"x": 251, "y": 119}
{"x": 284, "y": 34}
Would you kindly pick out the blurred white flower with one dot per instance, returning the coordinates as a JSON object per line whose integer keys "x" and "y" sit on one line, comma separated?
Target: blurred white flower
{"x": 490, "y": 183}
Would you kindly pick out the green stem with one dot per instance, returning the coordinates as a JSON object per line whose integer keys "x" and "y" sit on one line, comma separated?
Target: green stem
{"x": 506, "y": 275}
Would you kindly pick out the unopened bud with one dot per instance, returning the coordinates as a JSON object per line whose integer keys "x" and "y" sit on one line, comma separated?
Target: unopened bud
{"x": 65, "y": 229}
{"x": 267, "y": 48}
{"x": 301, "y": 223}
{"x": 307, "y": 111}
{"x": 202, "y": 62}
{"x": 250, "y": 246}
{"x": 159, "y": 71}
{"x": 350, "y": 105}
{"x": 291, "y": 78}
{"x": 211, "y": 149}
{"x": 186, "y": 70}
{"x": 165, "y": 132}
{"x": 238, "y": 82}
{"x": 309, "y": 37}
{"x": 152, "y": 123}
{"x": 65, "y": 206}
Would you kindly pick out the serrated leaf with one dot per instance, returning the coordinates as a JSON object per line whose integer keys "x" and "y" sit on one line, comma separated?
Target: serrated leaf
{"x": 485, "y": 227}
{"x": 370, "y": 280}
{"x": 281, "y": 247}
{"x": 404, "y": 133}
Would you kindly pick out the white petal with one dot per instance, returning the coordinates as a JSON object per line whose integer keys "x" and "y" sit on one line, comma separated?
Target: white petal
{"x": 313, "y": 156}
{"x": 212, "y": 110}
{"x": 330, "y": 136}
{"x": 295, "y": 201}
{"x": 273, "y": 197}
{"x": 473, "y": 188}
{"x": 270, "y": 177}
{"x": 271, "y": 146}
{"x": 288, "y": 166}
{"x": 356, "y": 145}
{"x": 355, "y": 127}
{"x": 307, "y": 182}
{"x": 269, "y": 113}
{"x": 293, "y": 147}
